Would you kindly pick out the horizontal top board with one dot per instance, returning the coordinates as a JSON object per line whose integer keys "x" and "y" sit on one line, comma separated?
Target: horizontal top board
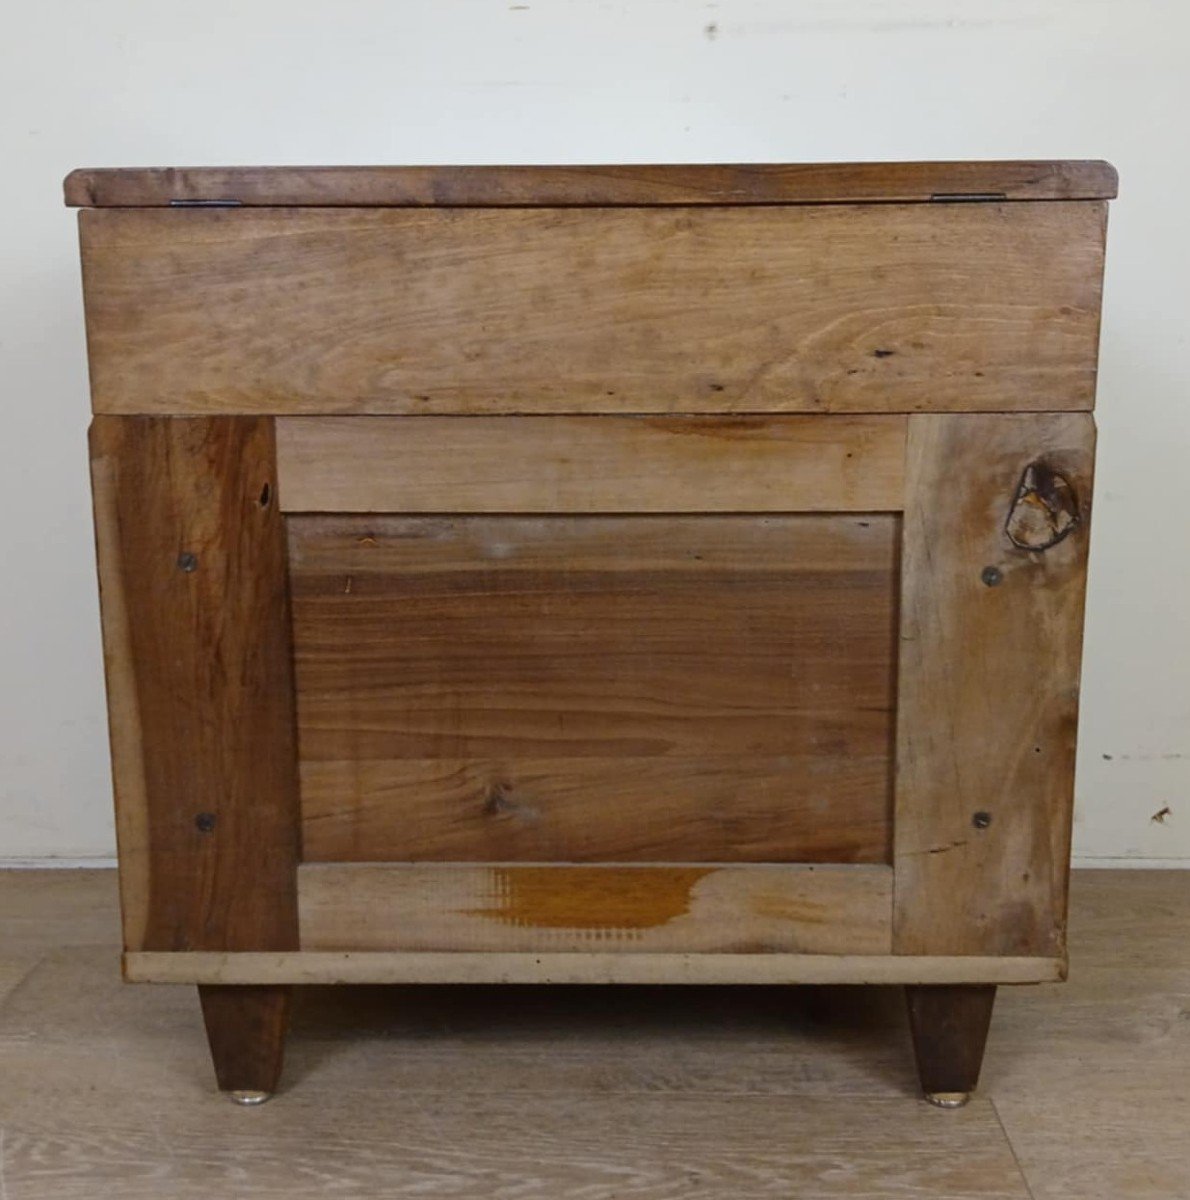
{"x": 554, "y": 186}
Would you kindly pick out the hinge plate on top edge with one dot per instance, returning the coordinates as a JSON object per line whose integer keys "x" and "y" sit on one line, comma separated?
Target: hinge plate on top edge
{"x": 966, "y": 197}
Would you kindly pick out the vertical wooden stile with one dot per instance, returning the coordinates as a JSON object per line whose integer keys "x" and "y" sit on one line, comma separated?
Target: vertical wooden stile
{"x": 993, "y": 578}
{"x": 191, "y": 549}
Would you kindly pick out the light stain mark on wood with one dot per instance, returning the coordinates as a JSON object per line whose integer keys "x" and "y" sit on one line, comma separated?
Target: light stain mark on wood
{"x": 514, "y": 907}
{"x": 629, "y": 898}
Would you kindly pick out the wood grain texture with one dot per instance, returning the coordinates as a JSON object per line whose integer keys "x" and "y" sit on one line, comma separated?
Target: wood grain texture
{"x": 191, "y": 553}
{"x": 582, "y": 967}
{"x": 246, "y": 1029}
{"x": 878, "y": 308}
{"x": 637, "y": 909}
{"x": 498, "y": 807}
{"x": 811, "y": 1092}
{"x": 536, "y": 1147}
{"x": 591, "y": 464}
{"x": 596, "y": 688}
{"x": 991, "y": 638}
{"x": 525, "y": 1094}
{"x": 741, "y": 183}
{"x": 949, "y": 1025}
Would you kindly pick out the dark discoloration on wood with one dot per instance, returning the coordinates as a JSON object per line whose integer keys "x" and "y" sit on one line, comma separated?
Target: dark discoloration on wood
{"x": 246, "y": 1027}
{"x": 591, "y": 898}
{"x": 949, "y": 1024}
{"x": 495, "y": 186}
{"x": 1044, "y": 510}
{"x": 200, "y": 681}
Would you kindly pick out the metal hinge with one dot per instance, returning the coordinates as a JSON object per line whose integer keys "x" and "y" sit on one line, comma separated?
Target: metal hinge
{"x": 966, "y": 197}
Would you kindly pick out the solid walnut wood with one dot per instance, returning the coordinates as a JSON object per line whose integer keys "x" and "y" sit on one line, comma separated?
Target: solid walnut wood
{"x": 655, "y": 533}
{"x": 949, "y": 1024}
{"x": 876, "y": 308}
{"x": 638, "y": 909}
{"x": 246, "y": 1027}
{"x": 991, "y": 638}
{"x": 742, "y": 183}
{"x": 580, "y": 689}
{"x": 790, "y": 808}
{"x": 191, "y": 552}
{"x": 591, "y": 464}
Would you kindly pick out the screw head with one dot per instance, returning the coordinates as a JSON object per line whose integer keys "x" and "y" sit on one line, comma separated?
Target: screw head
{"x": 991, "y": 576}
{"x": 205, "y": 822}
{"x": 187, "y": 562}
{"x": 981, "y": 820}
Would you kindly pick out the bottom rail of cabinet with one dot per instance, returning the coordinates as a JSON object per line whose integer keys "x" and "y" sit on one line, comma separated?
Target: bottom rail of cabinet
{"x": 322, "y": 966}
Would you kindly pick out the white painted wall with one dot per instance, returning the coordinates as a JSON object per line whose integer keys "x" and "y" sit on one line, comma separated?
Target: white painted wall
{"x": 163, "y": 82}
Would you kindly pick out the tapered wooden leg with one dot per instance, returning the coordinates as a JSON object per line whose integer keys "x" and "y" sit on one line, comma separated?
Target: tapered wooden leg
{"x": 246, "y": 1028}
{"x": 949, "y": 1023}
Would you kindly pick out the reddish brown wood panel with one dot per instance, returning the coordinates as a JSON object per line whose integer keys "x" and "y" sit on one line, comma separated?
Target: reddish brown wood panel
{"x": 191, "y": 549}
{"x": 741, "y": 183}
{"x": 994, "y": 574}
{"x": 873, "y": 308}
{"x": 707, "y": 688}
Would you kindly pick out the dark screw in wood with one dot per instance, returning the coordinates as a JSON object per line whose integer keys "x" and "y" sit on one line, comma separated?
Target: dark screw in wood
{"x": 205, "y": 822}
{"x": 187, "y": 562}
{"x": 981, "y": 820}
{"x": 992, "y": 576}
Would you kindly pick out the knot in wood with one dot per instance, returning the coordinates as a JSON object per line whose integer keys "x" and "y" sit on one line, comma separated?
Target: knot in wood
{"x": 1044, "y": 510}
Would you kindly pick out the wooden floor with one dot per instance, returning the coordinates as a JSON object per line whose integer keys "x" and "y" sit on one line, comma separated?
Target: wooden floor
{"x": 106, "y": 1090}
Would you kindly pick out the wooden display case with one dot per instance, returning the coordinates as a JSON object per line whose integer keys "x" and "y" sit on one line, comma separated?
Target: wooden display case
{"x": 593, "y": 574}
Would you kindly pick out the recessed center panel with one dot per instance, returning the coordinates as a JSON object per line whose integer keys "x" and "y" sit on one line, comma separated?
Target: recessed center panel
{"x": 595, "y": 688}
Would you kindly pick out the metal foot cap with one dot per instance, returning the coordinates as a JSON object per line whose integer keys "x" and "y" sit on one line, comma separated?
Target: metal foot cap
{"x": 948, "y": 1099}
{"x": 246, "y": 1097}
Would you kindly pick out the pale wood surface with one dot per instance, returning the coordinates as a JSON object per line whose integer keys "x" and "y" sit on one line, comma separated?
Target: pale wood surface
{"x": 42, "y": 911}
{"x": 598, "y": 688}
{"x": 987, "y": 688}
{"x": 739, "y": 183}
{"x": 588, "y": 966}
{"x": 502, "y": 1092}
{"x": 591, "y": 464}
{"x": 1090, "y": 1079}
{"x": 638, "y": 909}
{"x": 878, "y": 308}
{"x": 191, "y": 552}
